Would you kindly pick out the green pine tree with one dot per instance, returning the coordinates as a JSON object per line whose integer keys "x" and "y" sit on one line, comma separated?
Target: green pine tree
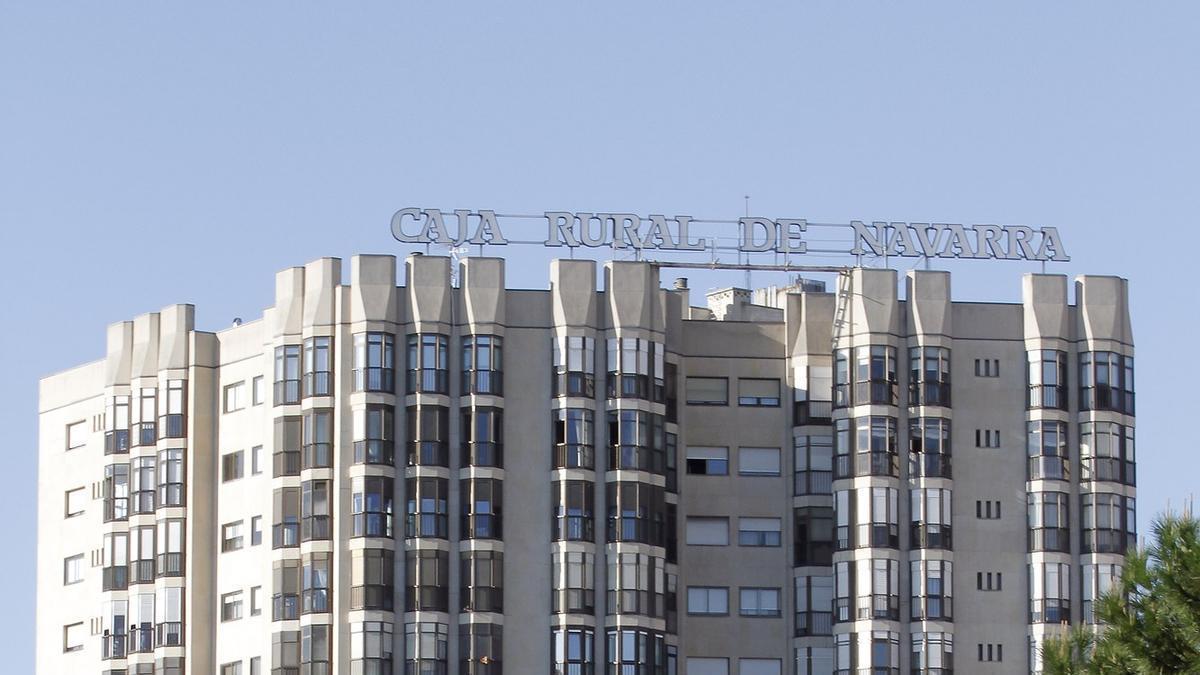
{"x": 1151, "y": 618}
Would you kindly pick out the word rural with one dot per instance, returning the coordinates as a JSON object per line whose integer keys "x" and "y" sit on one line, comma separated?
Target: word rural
{"x": 463, "y": 227}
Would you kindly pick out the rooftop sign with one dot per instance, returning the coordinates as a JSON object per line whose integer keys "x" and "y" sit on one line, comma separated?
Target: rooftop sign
{"x": 753, "y": 235}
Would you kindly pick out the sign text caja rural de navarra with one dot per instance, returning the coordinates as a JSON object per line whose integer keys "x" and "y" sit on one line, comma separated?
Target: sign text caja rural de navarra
{"x": 755, "y": 235}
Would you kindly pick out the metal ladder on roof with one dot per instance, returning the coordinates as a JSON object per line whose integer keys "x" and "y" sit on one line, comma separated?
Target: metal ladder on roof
{"x": 845, "y": 291}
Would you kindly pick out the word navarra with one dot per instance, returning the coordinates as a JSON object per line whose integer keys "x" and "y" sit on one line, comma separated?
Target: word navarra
{"x": 783, "y": 235}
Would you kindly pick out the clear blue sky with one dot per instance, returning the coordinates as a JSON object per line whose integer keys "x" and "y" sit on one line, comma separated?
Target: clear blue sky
{"x": 153, "y": 153}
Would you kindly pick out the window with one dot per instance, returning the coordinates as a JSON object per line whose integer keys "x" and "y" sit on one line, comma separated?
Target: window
{"x": 573, "y": 650}
{"x": 758, "y": 602}
{"x": 73, "y": 635}
{"x": 637, "y": 584}
{"x": 867, "y": 517}
{"x": 814, "y": 661}
{"x": 235, "y": 396}
{"x": 814, "y": 605}
{"x": 636, "y": 512}
{"x": 170, "y": 477}
{"x": 758, "y": 461}
{"x": 145, "y": 416}
{"x": 371, "y": 647}
{"x": 482, "y": 504}
{"x": 931, "y": 584}
{"x": 372, "y": 579}
{"x": 116, "y": 429}
{"x": 987, "y": 509}
{"x": 990, "y": 651}
{"x": 115, "y": 558}
{"x": 314, "y": 648}
{"x": 428, "y": 576}
{"x": 374, "y": 362}
{"x": 231, "y": 537}
{"x": 258, "y": 391}
{"x": 287, "y": 374}
{"x": 929, "y": 447}
{"x": 814, "y": 464}
{"x": 480, "y": 648}
{"x": 929, "y": 380}
{"x": 1097, "y": 581}
{"x": 73, "y": 570}
{"x": 285, "y": 603}
{"x": 573, "y": 511}
{"x": 483, "y": 436}
{"x": 713, "y": 600}
{"x": 256, "y": 665}
{"x": 425, "y": 645}
{"x": 234, "y": 668}
{"x": 481, "y": 581}
{"x": 574, "y": 366}
{"x": 989, "y": 581}
{"x": 428, "y": 362}
{"x": 1050, "y": 593}
{"x": 77, "y": 434}
{"x": 371, "y": 504}
{"x": 288, "y": 441}
{"x": 635, "y": 369}
{"x": 374, "y": 435}
{"x": 1047, "y": 447}
{"x": 116, "y": 492}
{"x": 574, "y": 444}
{"x": 1047, "y": 376}
{"x": 874, "y": 376}
{"x": 427, "y": 510}
{"x": 285, "y": 651}
{"x": 169, "y": 542}
{"x": 759, "y": 666}
{"x": 318, "y": 366}
{"x": 574, "y": 575}
{"x": 256, "y": 460}
{"x": 1109, "y": 522}
{"x": 1106, "y": 452}
{"x": 876, "y": 584}
{"x": 707, "y": 461}
{"x": 930, "y": 510}
{"x": 987, "y": 438}
{"x": 759, "y": 531}
{"x": 428, "y": 435}
{"x": 932, "y": 652}
{"x": 707, "y": 391}
{"x": 814, "y": 536}
{"x": 758, "y": 392}
{"x": 636, "y": 651}
{"x": 314, "y": 510}
{"x": 987, "y": 367}
{"x": 698, "y": 665}
{"x": 172, "y": 421}
{"x": 1049, "y": 521}
{"x": 143, "y": 485}
{"x": 317, "y": 439}
{"x": 482, "y": 365}
{"x": 314, "y": 583}
{"x": 231, "y": 606}
{"x": 636, "y": 441}
{"x": 255, "y": 600}
{"x": 865, "y": 446}
{"x": 1106, "y": 382}
{"x": 75, "y": 500}
{"x": 232, "y": 466}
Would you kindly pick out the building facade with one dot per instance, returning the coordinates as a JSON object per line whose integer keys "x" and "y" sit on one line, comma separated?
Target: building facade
{"x": 446, "y": 476}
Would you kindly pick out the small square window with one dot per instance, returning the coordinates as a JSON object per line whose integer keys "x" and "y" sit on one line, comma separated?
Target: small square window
{"x": 77, "y": 433}
{"x": 707, "y": 391}
{"x": 73, "y": 570}
{"x": 235, "y": 397}
{"x": 711, "y": 600}
{"x": 759, "y": 532}
{"x": 231, "y": 606}
{"x": 75, "y": 501}
{"x": 232, "y": 466}
{"x": 763, "y": 602}
{"x": 707, "y": 531}
{"x": 758, "y": 392}
{"x": 231, "y": 537}
{"x": 758, "y": 461}
{"x": 257, "y": 391}
{"x": 73, "y": 637}
{"x": 708, "y": 461}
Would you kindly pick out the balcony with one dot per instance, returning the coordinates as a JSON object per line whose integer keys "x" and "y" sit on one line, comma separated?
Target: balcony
{"x": 1108, "y": 469}
{"x": 428, "y": 380}
{"x": 876, "y": 392}
{"x": 574, "y": 384}
{"x": 812, "y": 412}
{"x": 318, "y": 383}
{"x": 489, "y": 382}
{"x": 170, "y": 565}
{"x": 814, "y": 482}
{"x": 371, "y": 597}
{"x": 173, "y": 426}
{"x": 814, "y": 623}
{"x": 931, "y": 535}
{"x": 287, "y": 392}
{"x": 141, "y": 639}
{"x": 574, "y": 528}
{"x": 169, "y": 634}
{"x": 285, "y": 463}
{"x": 372, "y": 525}
{"x": 483, "y": 454}
{"x": 428, "y": 453}
{"x": 877, "y": 535}
{"x": 929, "y": 394}
{"x": 867, "y": 464}
{"x": 375, "y": 451}
{"x": 1050, "y": 610}
{"x": 145, "y": 433}
{"x": 314, "y": 527}
{"x": 482, "y": 599}
{"x": 879, "y": 606}
{"x": 116, "y": 442}
{"x": 141, "y": 572}
{"x": 1050, "y": 539}
{"x": 929, "y": 465}
{"x": 375, "y": 379}
{"x": 317, "y": 456}
{"x": 1047, "y": 396}
{"x": 285, "y": 606}
{"x": 115, "y": 578}
{"x": 1108, "y": 541}
{"x": 574, "y": 456}
{"x": 1049, "y": 467}
{"x": 285, "y": 535}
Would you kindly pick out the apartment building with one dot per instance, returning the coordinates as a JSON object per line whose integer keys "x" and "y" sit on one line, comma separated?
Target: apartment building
{"x": 429, "y": 473}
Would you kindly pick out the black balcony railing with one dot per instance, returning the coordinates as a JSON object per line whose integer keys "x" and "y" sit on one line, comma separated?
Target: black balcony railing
{"x": 172, "y": 426}
{"x": 428, "y": 380}
{"x": 375, "y": 451}
{"x": 285, "y": 535}
{"x": 141, "y": 571}
{"x": 1108, "y": 541}
{"x": 372, "y": 597}
{"x": 1050, "y": 539}
{"x": 116, "y": 442}
{"x": 930, "y": 465}
{"x": 812, "y": 412}
{"x": 141, "y": 639}
{"x": 170, "y": 565}
{"x": 375, "y": 379}
{"x": 929, "y": 393}
{"x": 1050, "y": 610}
{"x": 877, "y": 535}
{"x": 931, "y": 535}
{"x": 286, "y": 463}
{"x": 814, "y": 623}
{"x": 318, "y": 383}
{"x": 1109, "y": 469}
{"x": 483, "y": 382}
{"x": 814, "y": 482}
{"x": 879, "y": 606}
{"x": 169, "y": 634}
{"x": 372, "y": 524}
{"x": 314, "y": 527}
{"x": 112, "y": 646}
{"x": 573, "y": 456}
{"x": 145, "y": 433}
{"x": 1049, "y": 467}
{"x": 574, "y": 528}
{"x": 1047, "y": 396}
{"x": 287, "y": 392}
{"x": 285, "y": 606}
{"x": 115, "y": 578}
{"x": 574, "y": 384}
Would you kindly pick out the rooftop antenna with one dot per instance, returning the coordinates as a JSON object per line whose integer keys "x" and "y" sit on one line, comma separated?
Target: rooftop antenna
{"x": 457, "y": 253}
{"x": 749, "y": 287}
